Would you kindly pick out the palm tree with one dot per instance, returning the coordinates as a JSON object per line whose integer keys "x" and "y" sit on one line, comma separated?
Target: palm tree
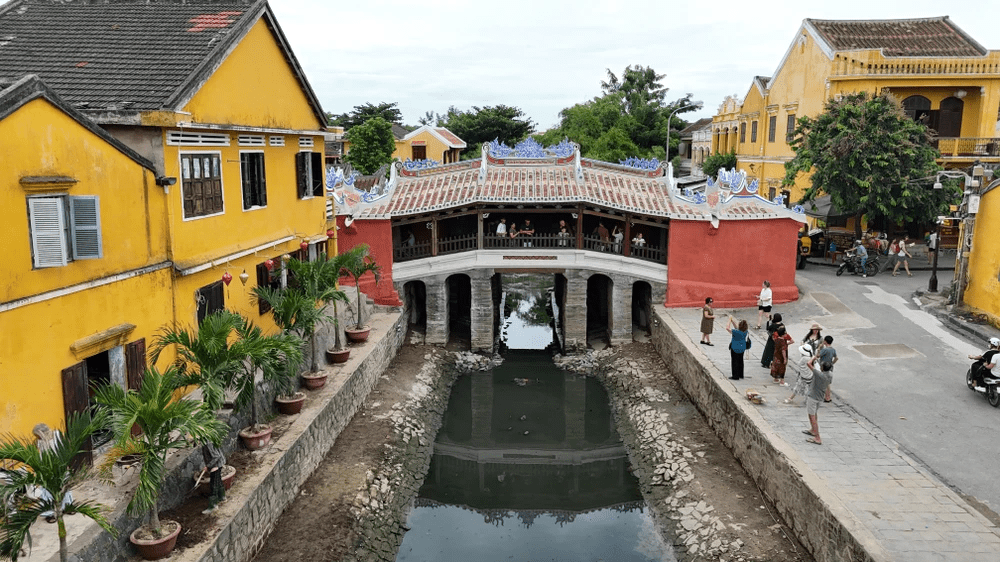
{"x": 51, "y": 471}
{"x": 356, "y": 263}
{"x": 317, "y": 281}
{"x": 205, "y": 357}
{"x": 271, "y": 354}
{"x": 167, "y": 423}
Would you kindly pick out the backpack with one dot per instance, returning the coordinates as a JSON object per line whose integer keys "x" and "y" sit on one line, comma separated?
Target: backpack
{"x": 894, "y": 249}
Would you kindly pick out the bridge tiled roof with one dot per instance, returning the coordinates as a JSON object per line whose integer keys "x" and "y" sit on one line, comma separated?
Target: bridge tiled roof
{"x": 555, "y": 181}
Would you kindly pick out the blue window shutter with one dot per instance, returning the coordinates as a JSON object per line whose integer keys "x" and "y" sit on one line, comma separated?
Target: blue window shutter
{"x": 48, "y": 236}
{"x": 85, "y": 219}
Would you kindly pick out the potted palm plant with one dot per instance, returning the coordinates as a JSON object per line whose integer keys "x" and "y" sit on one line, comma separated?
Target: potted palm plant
{"x": 357, "y": 263}
{"x": 48, "y": 468}
{"x": 318, "y": 282}
{"x": 292, "y": 311}
{"x": 271, "y": 355}
{"x": 166, "y": 423}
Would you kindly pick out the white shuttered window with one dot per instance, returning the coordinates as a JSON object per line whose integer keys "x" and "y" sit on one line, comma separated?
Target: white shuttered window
{"x": 64, "y": 227}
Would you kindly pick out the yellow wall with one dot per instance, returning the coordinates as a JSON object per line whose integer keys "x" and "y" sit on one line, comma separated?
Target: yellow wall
{"x": 436, "y": 149}
{"x": 254, "y": 86}
{"x": 40, "y": 140}
{"x": 983, "y": 291}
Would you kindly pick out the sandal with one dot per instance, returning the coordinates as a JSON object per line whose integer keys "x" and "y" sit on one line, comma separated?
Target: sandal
{"x": 814, "y": 441}
{"x": 756, "y": 327}
{"x": 807, "y": 431}
{"x": 909, "y": 275}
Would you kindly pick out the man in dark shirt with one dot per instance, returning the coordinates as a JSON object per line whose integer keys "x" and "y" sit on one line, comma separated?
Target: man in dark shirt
{"x": 527, "y": 231}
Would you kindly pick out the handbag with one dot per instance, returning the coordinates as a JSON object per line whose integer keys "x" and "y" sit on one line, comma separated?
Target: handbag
{"x": 749, "y": 343}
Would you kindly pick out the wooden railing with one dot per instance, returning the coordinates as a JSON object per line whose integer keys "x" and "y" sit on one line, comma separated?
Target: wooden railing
{"x": 968, "y": 146}
{"x": 465, "y": 243}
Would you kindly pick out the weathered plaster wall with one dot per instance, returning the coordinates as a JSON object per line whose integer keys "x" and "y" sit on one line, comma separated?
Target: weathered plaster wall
{"x": 378, "y": 235}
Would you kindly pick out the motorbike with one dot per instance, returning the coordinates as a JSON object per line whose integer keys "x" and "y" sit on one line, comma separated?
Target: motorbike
{"x": 989, "y": 389}
{"x": 852, "y": 262}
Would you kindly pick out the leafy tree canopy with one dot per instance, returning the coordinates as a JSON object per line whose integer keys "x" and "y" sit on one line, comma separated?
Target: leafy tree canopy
{"x": 372, "y": 145}
{"x": 362, "y": 113}
{"x": 870, "y": 158}
{"x": 715, "y": 162}
{"x": 634, "y": 105}
{"x": 429, "y": 118}
{"x": 484, "y": 124}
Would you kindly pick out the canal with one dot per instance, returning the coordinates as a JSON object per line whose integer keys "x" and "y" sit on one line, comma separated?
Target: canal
{"x": 528, "y": 464}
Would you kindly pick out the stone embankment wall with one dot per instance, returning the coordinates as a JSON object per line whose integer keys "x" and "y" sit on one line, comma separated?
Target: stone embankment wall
{"x": 826, "y": 528}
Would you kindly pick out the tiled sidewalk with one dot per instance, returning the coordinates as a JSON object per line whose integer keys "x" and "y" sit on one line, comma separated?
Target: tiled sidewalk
{"x": 914, "y": 516}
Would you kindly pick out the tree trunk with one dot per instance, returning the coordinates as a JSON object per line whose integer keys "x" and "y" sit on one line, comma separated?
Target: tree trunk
{"x": 357, "y": 283}
{"x": 857, "y": 226}
{"x": 63, "y": 552}
{"x": 313, "y": 364}
{"x": 337, "y": 344}
{"x": 154, "y": 519}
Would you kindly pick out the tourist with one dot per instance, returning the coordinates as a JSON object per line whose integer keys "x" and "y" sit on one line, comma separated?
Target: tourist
{"x": 804, "y": 373}
{"x": 780, "y": 362}
{"x": 903, "y": 257}
{"x": 893, "y": 255}
{"x": 827, "y": 354}
{"x": 502, "y": 228}
{"x": 819, "y": 386}
{"x": 763, "y": 302}
{"x": 814, "y": 338}
{"x": 512, "y": 233}
{"x": 563, "y": 236}
{"x": 773, "y": 323}
{"x": 527, "y": 231}
{"x": 639, "y": 241}
{"x": 707, "y": 322}
{"x": 617, "y": 235}
{"x": 739, "y": 344}
{"x": 932, "y": 244}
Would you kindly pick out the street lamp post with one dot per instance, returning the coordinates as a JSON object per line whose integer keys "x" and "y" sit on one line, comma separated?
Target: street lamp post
{"x": 932, "y": 285}
{"x": 973, "y": 185}
{"x": 670, "y": 119}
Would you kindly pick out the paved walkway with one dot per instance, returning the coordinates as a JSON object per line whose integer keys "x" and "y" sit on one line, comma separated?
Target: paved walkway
{"x": 911, "y": 513}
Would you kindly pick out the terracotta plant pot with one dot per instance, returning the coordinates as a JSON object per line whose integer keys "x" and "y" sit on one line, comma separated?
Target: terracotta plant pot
{"x": 205, "y": 486}
{"x": 314, "y": 381}
{"x": 154, "y": 549}
{"x": 256, "y": 440}
{"x": 291, "y": 405}
{"x": 338, "y": 355}
{"x": 357, "y": 336}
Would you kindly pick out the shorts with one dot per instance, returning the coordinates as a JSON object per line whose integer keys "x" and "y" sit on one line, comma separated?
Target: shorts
{"x": 812, "y": 406}
{"x": 764, "y": 308}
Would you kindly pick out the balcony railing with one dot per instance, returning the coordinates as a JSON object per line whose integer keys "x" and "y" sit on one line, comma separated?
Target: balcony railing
{"x": 465, "y": 243}
{"x": 851, "y": 67}
{"x": 971, "y": 147}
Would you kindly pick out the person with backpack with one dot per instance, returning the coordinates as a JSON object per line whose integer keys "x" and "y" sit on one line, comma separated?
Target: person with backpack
{"x": 903, "y": 256}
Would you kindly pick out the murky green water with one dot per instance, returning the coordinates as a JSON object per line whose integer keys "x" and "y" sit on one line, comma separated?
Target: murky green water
{"x": 528, "y": 466}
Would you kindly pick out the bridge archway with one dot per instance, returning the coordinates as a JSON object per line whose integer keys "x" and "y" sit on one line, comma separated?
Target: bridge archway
{"x": 459, "y": 312}
{"x": 642, "y": 302}
{"x": 415, "y": 301}
{"x": 600, "y": 320}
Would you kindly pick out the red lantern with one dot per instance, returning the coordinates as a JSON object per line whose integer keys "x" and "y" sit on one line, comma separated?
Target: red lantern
{"x": 330, "y": 233}
{"x": 226, "y": 278}
{"x": 269, "y": 264}
{"x": 304, "y": 245}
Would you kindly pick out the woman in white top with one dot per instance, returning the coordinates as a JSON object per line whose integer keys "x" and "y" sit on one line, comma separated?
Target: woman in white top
{"x": 763, "y": 303}
{"x": 903, "y": 257}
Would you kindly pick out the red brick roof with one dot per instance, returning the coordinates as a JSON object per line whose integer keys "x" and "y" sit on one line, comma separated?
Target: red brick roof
{"x": 450, "y": 137}
{"x": 928, "y": 37}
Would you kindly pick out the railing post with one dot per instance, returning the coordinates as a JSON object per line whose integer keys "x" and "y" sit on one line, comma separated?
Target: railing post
{"x": 434, "y": 236}
{"x": 627, "y": 249}
{"x": 479, "y": 240}
{"x": 579, "y": 228}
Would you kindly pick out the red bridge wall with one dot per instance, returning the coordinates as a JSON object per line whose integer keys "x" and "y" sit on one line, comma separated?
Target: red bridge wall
{"x": 378, "y": 235}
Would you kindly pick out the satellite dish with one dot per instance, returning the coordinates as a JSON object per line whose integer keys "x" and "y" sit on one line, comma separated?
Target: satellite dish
{"x": 349, "y": 220}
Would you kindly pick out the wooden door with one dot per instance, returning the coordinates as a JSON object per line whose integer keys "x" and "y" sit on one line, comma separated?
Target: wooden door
{"x": 76, "y": 400}
{"x": 135, "y": 368}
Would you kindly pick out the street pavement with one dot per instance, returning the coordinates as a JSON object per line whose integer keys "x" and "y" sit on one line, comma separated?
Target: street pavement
{"x": 904, "y": 439}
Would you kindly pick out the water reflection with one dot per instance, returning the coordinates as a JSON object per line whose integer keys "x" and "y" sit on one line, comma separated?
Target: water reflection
{"x": 528, "y": 465}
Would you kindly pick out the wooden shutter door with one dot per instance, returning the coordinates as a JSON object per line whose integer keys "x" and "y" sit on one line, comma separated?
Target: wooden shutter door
{"x": 316, "y": 170}
{"x": 76, "y": 400}
{"x": 48, "y": 237}
{"x": 135, "y": 367}
{"x": 245, "y": 178}
{"x": 85, "y": 218}
{"x": 263, "y": 280}
{"x": 301, "y": 173}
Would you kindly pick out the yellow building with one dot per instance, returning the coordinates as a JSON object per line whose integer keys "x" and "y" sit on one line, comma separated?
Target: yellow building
{"x": 941, "y": 76}
{"x": 983, "y": 289}
{"x": 233, "y": 138}
{"x": 429, "y": 143}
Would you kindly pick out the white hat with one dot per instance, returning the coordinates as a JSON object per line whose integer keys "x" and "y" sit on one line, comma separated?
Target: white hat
{"x": 806, "y": 350}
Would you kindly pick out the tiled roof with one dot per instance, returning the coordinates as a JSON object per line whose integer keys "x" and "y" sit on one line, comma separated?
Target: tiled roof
{"x": 697, "y": 125}
{"x": 452, "y": 138}
{"x": 127, "y": 55}
{"x": 606, "y": 185}
{"x": 928, "y": 37}
{"x": 399, "y": 131}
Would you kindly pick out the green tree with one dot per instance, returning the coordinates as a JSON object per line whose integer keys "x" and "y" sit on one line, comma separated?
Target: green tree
{"x": 429, "y": 118}
{"x": 356, "y": 263}
{"x": 362, "y": 113}
{"x": 484, "y": 124}
{"x": 372, "y": 145}
{"x": 49, "y": 470}
{"x": 871, "y": 159}
{"x": 718, "y": 161}
{"x": 271, "y": 354}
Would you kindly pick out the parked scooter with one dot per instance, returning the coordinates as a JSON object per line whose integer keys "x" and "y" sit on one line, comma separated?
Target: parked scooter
{"x": 987, "y": 384}
{"x": 853, "y": 263}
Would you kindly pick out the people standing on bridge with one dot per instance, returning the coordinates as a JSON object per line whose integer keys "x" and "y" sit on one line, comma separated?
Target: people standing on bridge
{"x": 707, "y": 322}
{"x": 820, "y": 385}
{"x": 903, "y": 256}
{"x": 502, "y": 229}
{"x": 773, "y": 323}
{"x": 618, "y": 236}
{"x": 527, "y": 231}
{"x": 739, "y": 344}
{"x": 805, "y": 376}
{"x": 780, "y": 362}
{"x": 639, "y": 241}
{"x": 563, "y": 236}
{"x": 827, "y": 354}
{"x": 512, "y": 233}
{"x": 763, "y": 302}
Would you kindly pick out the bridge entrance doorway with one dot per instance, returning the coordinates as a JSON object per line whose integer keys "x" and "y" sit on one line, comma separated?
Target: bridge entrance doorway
{"x": 599, "y": 306}
{"x": 642, "y": 300}
{"x": 526, "y": 311}
{"x": 415, "y": 300}
{"x": 459, "y": 311}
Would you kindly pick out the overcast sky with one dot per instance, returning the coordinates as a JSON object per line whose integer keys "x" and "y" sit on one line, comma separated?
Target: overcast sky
{"x": 545, "y": 55}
